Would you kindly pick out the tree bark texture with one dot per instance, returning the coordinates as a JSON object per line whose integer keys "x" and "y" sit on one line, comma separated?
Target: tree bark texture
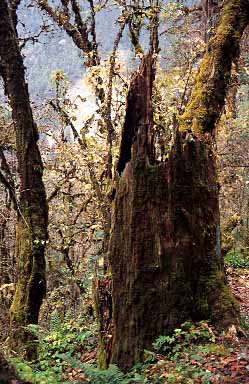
{"x": 165, "y": 251}
{"x": 103, "y": 306}
{"x": 31, "y": 232}
{"x": 208, "y": 98}
{"x": 4, "y": 251}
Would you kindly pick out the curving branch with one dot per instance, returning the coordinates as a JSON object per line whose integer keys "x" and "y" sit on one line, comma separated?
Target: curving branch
{"x": 7, "y": 180}
{"x": 208, "y": 97}
{"x": 78, "y": 31}
{"x": 13, "y": 6}
{"x": 92, "y": 31}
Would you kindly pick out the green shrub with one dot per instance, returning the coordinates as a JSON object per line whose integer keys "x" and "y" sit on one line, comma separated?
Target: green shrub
{"x": 27, "y": 373}
{"x": 184, "y": 337}
{"x": 238, "y": 258}
{"x": 64, "y": 341}
{"x": 112, "y": 375}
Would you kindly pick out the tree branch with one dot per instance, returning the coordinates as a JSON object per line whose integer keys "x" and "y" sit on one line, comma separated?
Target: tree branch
{"x": 78, "y": 31}
{"x": 107, "y": 114}
{"x": 7, "y": 180}
{"x": 208, "y": 97}
{"x": 13, "y": 6}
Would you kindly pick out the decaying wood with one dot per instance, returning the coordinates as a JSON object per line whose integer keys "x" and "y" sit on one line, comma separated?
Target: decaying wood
{"x": 165, "y": 251}
{"x": 137, "y": 134}
{"x": 103, "y": 304}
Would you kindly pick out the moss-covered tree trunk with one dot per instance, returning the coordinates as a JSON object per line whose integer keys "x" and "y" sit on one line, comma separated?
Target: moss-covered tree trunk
{"x": 165, "y": 252}
{"x": 31, "y": 232}
{"x": 4, "y": 254}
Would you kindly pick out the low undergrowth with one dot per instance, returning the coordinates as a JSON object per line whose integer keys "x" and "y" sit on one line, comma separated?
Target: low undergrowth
{"x": 238, "y": 258}
{"x": 190, "y": 355}
{"x": 64, "y": 341}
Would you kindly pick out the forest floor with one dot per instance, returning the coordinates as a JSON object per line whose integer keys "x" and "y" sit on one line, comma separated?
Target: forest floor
{"x": 194, "y": 354}
{"x": 239, "y": 282}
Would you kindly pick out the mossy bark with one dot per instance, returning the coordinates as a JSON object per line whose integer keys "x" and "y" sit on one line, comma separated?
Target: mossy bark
{"x": 4, "y": 253}
{"x": 208, "y": 98}
{"x": 165, "y": 251}
{"x": 103, "y": 306}
{"x": 31, "y": 233}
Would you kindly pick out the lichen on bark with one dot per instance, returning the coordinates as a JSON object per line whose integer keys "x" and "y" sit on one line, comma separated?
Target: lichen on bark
{"x": 208, "y": 97}
{"x": 165, "y": 252}
{"x": 32, "y": 217}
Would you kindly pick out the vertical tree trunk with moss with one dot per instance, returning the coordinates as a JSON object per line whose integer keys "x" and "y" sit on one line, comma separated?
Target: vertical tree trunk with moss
{"x": 4, "y": 253}
{"x": 165, "y": 252}
{"x": 31, "y": 232}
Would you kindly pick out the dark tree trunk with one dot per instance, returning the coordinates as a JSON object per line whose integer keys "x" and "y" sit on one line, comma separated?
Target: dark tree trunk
{"x": 165, "y": 251}
{"x": 210, "y": 17}
{"x": 208, "y": 97}
{"x": 31, "y": 234}
{"x": 4, "y": 252}
{"x": 165, "y": 245}
{"x": 103, "y": 305}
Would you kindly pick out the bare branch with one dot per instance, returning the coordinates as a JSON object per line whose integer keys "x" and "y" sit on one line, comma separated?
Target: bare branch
{"x": 93, "y": 33}
{"x": 108, "y": 119}
{"x": 7, "y": 180}
{"x": 13, "y": 6}
{"x": 83, "y": 146}
{"x": 78, "y": 31}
